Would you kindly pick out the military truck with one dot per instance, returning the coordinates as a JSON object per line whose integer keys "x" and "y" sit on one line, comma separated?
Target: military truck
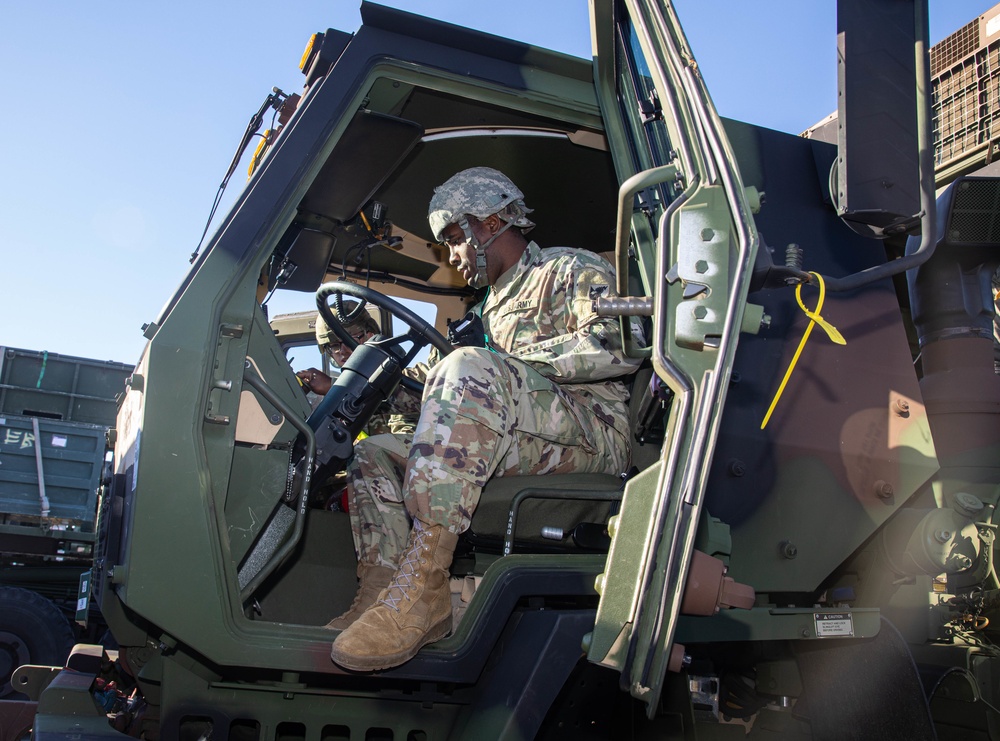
{"x": 55, "y": 411}
{"x": 804, "y": 545}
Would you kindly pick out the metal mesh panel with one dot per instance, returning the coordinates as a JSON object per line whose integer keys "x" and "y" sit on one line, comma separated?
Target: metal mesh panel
{"x": 974, "y": 212}
{"x": 965, "y": 90}
{"x": 957, "y": 46}
{"x": 955, "y": 96}
{"x": 966, "y": 102}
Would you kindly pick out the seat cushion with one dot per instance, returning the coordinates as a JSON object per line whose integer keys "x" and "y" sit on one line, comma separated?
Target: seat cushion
{"x": 489, "y": 522}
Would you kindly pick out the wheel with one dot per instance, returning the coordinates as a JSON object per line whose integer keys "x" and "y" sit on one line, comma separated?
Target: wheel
{"x": 420, "y": 334}
{"x": 32, "y": 631}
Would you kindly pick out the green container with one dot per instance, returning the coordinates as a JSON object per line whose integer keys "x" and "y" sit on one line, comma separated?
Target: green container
{"x": 69, "y": 456}
{"x": 60, "y": 387}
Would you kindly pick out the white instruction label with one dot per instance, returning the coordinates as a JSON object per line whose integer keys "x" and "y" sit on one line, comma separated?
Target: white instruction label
{"x": 58, "y": 441}
{"x": 834, "y": 624}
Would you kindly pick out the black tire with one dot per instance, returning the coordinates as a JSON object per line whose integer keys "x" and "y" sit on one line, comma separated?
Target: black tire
{"x": 32, "y": 631}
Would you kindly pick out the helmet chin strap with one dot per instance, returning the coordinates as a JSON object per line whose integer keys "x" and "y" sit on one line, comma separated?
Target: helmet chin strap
{"x": 481, "y": 277}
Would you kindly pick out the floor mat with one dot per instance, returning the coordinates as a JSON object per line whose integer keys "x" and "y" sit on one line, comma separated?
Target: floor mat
{"x": 864, "y": 689}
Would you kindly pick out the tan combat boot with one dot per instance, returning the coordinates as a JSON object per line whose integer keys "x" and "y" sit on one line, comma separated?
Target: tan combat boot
{"x": 414, "y": 610}
{"x": 372, "y": 580}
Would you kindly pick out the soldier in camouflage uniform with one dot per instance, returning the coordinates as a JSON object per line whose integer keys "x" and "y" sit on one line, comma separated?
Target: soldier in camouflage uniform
{"x": 399, "y": 414}
{"x": 544, "y": 395}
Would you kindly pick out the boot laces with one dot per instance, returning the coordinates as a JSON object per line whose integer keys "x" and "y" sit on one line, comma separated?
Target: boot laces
{"x": 406, "y": 573}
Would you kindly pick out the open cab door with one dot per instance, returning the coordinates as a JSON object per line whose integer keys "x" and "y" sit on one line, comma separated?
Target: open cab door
{"x": 687, "y": 241}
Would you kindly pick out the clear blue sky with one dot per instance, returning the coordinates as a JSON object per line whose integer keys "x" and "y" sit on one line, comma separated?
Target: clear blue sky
{"x": 123, "y": 116}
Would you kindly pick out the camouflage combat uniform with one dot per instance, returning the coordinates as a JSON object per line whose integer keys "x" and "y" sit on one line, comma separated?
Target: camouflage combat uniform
{"x": 545, "y": 396}
{"x": 387, "y": 419}
{"x": 398, "y": 414}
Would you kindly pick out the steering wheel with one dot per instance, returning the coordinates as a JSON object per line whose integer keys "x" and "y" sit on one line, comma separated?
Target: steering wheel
{"x": 420, "y": 333}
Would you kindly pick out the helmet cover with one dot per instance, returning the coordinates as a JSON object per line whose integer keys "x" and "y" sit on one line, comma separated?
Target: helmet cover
{"x": 479, "y": 192}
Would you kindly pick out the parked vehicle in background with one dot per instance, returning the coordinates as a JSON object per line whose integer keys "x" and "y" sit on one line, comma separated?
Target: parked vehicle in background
{"x": 55, "y": 412}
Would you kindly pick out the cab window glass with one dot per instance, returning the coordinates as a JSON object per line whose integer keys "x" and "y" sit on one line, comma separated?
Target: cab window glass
{"x": 304, "y": 355}
{"x": 426, "y": 311}
{"x": 638, "y": 96}
{"x": 642, "y": 113}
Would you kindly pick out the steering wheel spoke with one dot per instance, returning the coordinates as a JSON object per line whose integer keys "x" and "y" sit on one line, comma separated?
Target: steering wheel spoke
{"x": 419, "y": 332}
{"x": 397, "y": 345}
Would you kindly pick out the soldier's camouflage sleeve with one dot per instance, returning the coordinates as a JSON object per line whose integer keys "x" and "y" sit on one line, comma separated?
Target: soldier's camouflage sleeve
{"x": 555, "y": 299}
{"x": 384, "y": 420}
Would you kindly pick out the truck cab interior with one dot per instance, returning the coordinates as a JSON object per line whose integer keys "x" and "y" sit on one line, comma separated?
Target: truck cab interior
{"x": 374, "y": 232}
{"x": 219, "y": 563}
{"x": 217, "y": 426}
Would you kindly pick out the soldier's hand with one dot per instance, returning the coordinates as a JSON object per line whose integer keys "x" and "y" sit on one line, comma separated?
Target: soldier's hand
{"x": 315, "y": 380}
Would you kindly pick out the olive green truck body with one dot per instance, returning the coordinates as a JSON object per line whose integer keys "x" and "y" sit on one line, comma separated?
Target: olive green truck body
{"x": 803, "y": 547}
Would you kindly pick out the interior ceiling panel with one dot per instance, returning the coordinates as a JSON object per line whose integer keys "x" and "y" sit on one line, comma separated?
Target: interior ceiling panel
{"x": 571, "y": 188}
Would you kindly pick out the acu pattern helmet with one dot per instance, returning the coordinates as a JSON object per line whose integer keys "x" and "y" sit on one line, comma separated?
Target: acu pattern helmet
{"x": 479, "y": 192}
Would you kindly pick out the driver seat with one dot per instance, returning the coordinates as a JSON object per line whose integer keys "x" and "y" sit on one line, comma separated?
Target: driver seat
{"x": 513, "y": 510}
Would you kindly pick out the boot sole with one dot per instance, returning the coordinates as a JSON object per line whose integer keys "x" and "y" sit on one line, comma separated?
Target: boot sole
{"x": 376, "y": 663}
